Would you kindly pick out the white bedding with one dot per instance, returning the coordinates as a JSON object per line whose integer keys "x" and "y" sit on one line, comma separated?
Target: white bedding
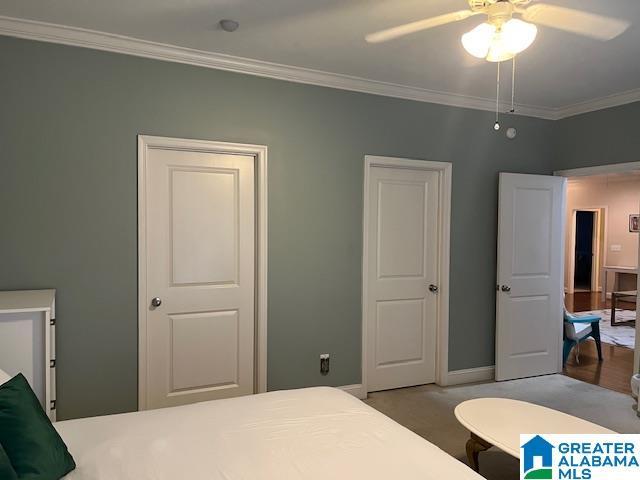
{"x": 312, "y": 433}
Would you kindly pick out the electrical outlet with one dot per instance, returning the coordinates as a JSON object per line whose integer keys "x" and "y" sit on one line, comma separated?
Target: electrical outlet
{"x": 324, "y": 364}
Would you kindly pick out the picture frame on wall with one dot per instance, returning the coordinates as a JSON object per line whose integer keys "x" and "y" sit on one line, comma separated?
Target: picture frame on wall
{"x": 634, "y": 223}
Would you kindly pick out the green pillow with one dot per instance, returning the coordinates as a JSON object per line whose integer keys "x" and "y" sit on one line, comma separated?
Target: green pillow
{"x": 6, "y": 470}
{"x": 33, "y": 446}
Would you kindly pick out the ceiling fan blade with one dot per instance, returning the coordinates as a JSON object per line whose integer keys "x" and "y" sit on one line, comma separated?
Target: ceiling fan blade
{"x": 413, "y": 27}
{"x": 575, "y": 21}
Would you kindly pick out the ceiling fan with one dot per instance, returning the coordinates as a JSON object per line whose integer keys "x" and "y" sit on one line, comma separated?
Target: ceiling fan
{"x": 502, "y": 36}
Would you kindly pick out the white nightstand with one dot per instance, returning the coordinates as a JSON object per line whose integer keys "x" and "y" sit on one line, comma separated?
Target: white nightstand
{"x": 27, "y": 341}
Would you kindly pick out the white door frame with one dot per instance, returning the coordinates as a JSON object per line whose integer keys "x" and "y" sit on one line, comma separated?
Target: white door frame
{"x": 600, "y": 216}
{"x": 602, "y": 170}
{"x": 444, "y": 221}
{"x": 259, "y": 153}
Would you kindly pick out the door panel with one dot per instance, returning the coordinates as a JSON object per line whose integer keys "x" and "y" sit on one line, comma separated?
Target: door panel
{"x": 204, "y": 240}
{"x": 401, "y": 229}
{"x": 532, "y": 228}
{"x": 402, "y": 262}
{"x": 399, "y": 328}
{"x": 530, "y": 275}
{"x": 198, "y": 341}
{"x": 529, "y": 339}
{"x": 200, "y": 222}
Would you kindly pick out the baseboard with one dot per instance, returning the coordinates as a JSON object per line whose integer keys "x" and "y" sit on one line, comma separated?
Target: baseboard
{"x": 357, "y": 390}
{"x": 457, "y": 377}
{"x": 470, "y": 375}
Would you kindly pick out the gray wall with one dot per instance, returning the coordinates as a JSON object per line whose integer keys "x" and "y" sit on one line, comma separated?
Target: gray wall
{"x": 68, "y": 127}
{"x": 598, "y": 138}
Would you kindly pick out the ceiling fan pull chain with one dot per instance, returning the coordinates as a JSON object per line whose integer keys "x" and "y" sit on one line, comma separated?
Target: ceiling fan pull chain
{"x": 513, "y": 84}
{"x": 496, "y": 126}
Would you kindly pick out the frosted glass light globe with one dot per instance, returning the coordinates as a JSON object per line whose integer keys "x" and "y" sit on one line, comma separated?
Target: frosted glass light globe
{"x": 518, "y": 35}
{"x": 478, "y": 40}
{"x": 499, "y": 51}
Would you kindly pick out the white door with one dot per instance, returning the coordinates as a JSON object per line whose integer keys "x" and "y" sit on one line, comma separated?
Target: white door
{"x": 402, "y": 264}
{"x": 200, "y": 261}
{"x": 530, "y": 275}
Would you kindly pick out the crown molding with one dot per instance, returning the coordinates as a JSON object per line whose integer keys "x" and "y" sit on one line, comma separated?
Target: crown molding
{"x": 609, "y": 101}
{"x": 81, "y": 37}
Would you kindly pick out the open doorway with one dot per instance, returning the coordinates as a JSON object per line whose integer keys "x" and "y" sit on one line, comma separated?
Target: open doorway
{"x": 586, "y": 229}
{"x": 584, "y": 254}
{"x": 584, "y": 250}
{"x": 601, "y": 273}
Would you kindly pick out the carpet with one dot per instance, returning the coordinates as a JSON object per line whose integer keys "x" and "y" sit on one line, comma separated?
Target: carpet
{"x": 622, "y": 335}
{"x": 428, "y": 411}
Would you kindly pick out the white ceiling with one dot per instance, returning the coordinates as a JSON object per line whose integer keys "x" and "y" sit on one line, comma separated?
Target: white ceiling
{"x": 558, "y": 70}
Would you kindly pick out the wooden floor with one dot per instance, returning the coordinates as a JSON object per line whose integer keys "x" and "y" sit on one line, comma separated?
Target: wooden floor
{"x": 585, "y": 301}
{"x": 616, "y": 368}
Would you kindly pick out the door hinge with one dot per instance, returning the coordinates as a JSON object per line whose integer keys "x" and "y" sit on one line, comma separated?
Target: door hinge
{"x": 53, "y": 405}
{"x": 52, "y": 363}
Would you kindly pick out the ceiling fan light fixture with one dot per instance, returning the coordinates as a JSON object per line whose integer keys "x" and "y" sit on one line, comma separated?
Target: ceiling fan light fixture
{"x": 497, "y": 44}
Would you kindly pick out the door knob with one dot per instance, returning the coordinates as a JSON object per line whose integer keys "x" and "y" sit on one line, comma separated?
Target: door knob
{"x": 433, "y": 288}
{"x": 506, "y": 288}
{"x": 156, "y": 301}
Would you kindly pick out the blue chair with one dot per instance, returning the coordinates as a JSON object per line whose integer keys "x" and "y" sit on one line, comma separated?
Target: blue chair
{"x": 577, "y": 328}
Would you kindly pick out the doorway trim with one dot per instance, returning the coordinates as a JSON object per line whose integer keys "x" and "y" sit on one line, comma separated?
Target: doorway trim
{"x": 600, "y": 240}
{"x": 259, "y": 153}
{"x": 444, "y": 225}
{"x": 602, "y": 170}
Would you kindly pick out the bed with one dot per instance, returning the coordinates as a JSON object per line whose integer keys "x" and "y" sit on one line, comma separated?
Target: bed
{"x": 312, "y": 433}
